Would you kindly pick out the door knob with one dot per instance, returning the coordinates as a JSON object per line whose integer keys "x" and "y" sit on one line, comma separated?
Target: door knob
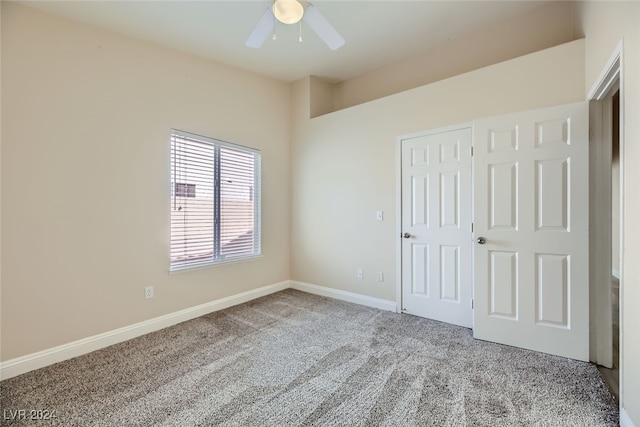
{"x": 481, "y": 240}
{"x": 406, "y": 235}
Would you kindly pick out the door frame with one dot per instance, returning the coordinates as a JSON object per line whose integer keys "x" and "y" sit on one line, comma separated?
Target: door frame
{"x": 398, "y": 150}
{"x": 599, "y": 97}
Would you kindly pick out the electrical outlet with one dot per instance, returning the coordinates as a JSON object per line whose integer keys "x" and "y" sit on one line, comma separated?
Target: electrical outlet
{"x": 360, "y": 273}
{"x": 148, "y": 292}
{"x": 380, "y": 276}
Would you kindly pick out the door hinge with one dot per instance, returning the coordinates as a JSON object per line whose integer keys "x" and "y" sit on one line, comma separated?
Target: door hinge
{"x": 471, "y": 304}
{"x": 471, "y": 151}
{"x": 472, "y": 227}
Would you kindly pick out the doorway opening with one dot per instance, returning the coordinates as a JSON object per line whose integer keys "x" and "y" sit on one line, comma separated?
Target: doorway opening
{"x": 606, "y": 219}
{"x": 611, "y": 375}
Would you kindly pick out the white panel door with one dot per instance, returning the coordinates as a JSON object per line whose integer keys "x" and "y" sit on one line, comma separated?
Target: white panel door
{"x": 531, "y": 189}
{"x": 436, "y": 224}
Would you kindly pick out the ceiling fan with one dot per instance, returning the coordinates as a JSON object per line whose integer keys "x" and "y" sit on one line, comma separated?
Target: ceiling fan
{"x": 291, "y": 12}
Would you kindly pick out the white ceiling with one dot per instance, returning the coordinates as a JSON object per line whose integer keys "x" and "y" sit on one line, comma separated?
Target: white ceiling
{"x": 377, "y": 33}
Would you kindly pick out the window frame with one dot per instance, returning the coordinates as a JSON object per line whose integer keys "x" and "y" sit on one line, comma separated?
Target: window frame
{"x": 255, "y": 196}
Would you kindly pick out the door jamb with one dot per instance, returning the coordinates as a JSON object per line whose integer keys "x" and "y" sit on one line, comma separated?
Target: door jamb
{"x": 599, "y": 97}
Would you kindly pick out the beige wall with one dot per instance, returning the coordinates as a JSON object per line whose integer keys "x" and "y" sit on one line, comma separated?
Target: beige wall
{"x": 85, "y": 172}
{"x": 343, "y": 163}
{"x": 546, "y": 26}
{"x": 604, "y": 24}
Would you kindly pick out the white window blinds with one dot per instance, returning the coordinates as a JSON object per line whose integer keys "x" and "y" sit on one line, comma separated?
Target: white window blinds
{"x": 215, "y": 201}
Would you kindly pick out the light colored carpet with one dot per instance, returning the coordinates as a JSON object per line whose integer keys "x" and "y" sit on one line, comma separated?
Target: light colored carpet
{"x": 293, "y": 358}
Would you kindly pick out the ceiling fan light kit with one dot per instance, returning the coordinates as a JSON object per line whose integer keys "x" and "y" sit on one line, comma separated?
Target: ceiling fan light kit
{"x": 291, "y": 12}
{"x": 288, "y": 11}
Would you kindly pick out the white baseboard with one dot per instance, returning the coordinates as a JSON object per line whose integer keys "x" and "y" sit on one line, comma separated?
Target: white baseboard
{"x": 382, "y": 304}
{"x": 40, "y": 359}
{"x": 625, "y": 420}
{"x": 20, "y": 365}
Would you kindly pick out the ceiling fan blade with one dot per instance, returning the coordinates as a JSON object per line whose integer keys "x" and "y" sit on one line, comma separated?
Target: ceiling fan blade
{"x": 262, "y": 30}
{"x": 322, "y": 28}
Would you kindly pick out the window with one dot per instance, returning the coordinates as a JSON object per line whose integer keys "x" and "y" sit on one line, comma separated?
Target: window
{"x": 185, "y": 190}
{"x": 215, "y": 201}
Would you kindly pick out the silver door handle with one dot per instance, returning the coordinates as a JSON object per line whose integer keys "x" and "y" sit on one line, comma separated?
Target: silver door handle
{"x": 405, "y": 235}
{"x": 481, "y": 240}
